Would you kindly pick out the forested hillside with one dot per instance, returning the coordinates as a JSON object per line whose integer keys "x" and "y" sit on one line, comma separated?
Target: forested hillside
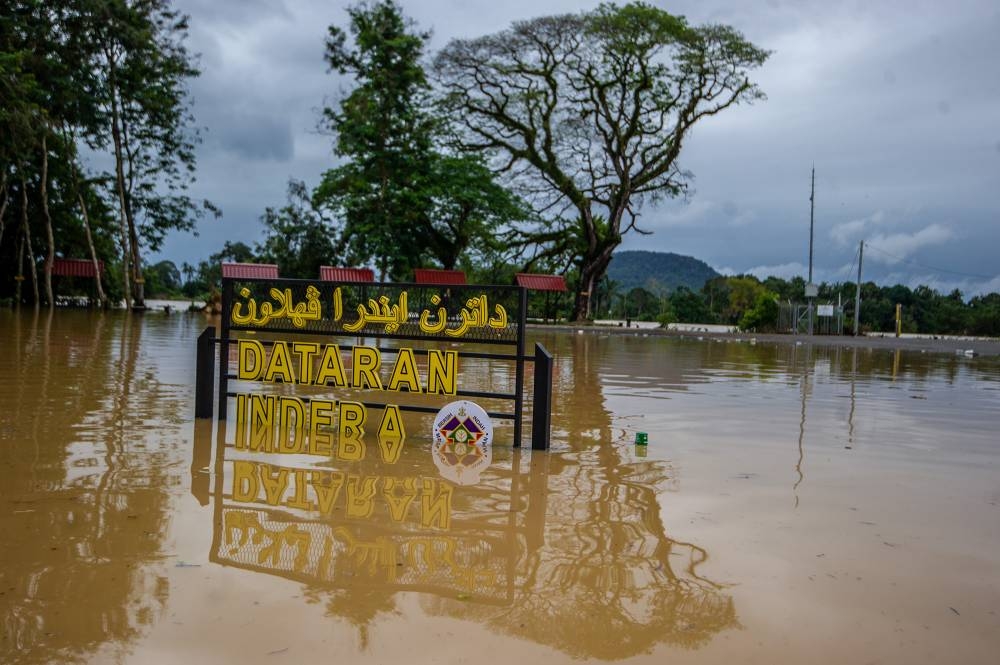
{"x": 656, "y": 271}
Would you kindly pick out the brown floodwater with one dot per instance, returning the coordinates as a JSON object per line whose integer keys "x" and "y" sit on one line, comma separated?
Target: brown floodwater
{"x": 794, "y": 503}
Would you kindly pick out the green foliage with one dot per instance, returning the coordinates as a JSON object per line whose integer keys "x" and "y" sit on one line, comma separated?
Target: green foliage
{"x": 467, "y": 207}
{"x": 163, "y": 279}
{"x": 984, "y": 315}
{"x": 384, "y": 136}
{"x": 402, "y": 199}
{"x": 791, "y": 290}
{"x": 112, "y": 75}
{"x": 295, "y": 236}
{"x": 690, "y": 307}
{"x": 924, "y": 310}
{"x": 667, "y": 316}
{"x": 763, "y": 316}
{"x": 742, "y": 294}
{"x": 210, "y": 272}
{"x": 642, "y": 305}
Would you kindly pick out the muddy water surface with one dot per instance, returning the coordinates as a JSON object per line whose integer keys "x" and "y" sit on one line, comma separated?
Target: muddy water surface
{"x": 795, "y": 503}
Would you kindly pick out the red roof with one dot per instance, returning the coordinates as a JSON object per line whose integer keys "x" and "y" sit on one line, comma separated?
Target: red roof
{"x": 435, "y": 276}
{"x": 541, "y": 282}
{"x": 250, "y": 270}
{"x": 329, "y": 274}
{"x": 75, "y": 267}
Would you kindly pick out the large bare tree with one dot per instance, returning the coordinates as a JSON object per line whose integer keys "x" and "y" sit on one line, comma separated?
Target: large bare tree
{"x": 587, "y": 114}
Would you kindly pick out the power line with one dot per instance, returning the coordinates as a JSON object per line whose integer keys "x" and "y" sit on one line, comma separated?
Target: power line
{"x": 927, "y": 267}
{"x": 848, "y": 270}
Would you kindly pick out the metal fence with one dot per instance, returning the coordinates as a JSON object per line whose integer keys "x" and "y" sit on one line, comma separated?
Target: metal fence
{"x": 828, "y": 319}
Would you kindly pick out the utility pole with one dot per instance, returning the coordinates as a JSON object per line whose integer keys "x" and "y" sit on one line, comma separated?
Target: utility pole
{"x": 857, "y": 292}
{"x": 840, "y": 312}
{"x": 810, "y": 287}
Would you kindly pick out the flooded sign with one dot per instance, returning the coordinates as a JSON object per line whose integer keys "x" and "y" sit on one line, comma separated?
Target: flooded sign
{"x": 351, "y": 357}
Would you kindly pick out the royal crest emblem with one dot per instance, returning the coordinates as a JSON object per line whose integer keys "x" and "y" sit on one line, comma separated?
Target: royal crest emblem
{"x": 463, "y": 435}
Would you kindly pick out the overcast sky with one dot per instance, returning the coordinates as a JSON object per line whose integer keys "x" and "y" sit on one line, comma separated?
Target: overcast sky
{"x": 897, "y": 104}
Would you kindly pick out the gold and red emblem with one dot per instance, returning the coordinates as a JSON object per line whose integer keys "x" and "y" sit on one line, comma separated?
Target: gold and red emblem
{"x": 463, "y": 435}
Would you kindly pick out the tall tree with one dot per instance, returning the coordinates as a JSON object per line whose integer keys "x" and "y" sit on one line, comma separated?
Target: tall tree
{"x": 19, "y": 136}
{"x": 46, "y": 43}
{"x": 588, "y": 113}
{"x": 402, "y": 196}
{"x": 145, "y": 67}
{"x": 78, "y": 189}
{"x": 383, "y": 135}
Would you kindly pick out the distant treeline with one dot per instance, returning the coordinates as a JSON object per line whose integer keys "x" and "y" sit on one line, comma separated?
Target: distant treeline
{"x": 744, "y": 301}
{"x": 753, "y": 304}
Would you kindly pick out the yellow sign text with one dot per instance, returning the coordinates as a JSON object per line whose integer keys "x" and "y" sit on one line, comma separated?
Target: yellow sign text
{"x": 309, "y": 363}
{"x": 326, "y": 491}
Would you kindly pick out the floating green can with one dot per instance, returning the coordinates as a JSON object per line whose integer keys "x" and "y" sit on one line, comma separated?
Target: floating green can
{"x": 641, "y": 438}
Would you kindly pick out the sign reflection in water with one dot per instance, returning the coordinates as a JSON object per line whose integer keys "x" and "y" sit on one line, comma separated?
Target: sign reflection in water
{"x": 568, "y": 573}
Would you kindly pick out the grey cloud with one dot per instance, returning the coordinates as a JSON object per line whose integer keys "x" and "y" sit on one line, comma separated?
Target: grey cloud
{"x": 237, "y": 14}
{"x": 256, "y": 136}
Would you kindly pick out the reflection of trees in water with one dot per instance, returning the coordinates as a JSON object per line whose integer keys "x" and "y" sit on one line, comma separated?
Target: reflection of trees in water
{"x": 579, "y": 416}
{"x": 360, "y": 607}
{"x": 603, "y": 580}
{"x": 87, "y": 505}
{"x": 570, "y": 552}
{"x": 606, "y": 581}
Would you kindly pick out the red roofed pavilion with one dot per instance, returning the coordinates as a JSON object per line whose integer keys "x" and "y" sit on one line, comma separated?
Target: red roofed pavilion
{"x": 435, "y": 276}
{"x": 76, "y": 268}
{"x": 250, "y": 270}
{"x": 541, "y": 282}
{"x": 330, "y": 274}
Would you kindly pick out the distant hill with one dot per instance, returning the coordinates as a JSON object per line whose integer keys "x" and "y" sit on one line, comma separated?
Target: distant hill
{"x": 658, "y": 270}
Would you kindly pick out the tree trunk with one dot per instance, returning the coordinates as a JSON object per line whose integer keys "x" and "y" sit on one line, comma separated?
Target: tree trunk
{"x": 138, "y": 295}
{"x": 19, "y": 278}
{"x": 592, "y": 269}
{"x": 27, "y": 239}
{"x": 50, "y": 256}
{"x": 3, "y": 205}
{"x": 102, "y": 298}
{"x": 120, "y": 181}
{"x": 138, "y": 281}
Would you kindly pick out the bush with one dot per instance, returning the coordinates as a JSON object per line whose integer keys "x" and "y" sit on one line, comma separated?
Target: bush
{"x": 763, "y": 316}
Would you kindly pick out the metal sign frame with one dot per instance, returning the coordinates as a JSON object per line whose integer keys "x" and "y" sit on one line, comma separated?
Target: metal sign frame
{"x": 325, "y": 318}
